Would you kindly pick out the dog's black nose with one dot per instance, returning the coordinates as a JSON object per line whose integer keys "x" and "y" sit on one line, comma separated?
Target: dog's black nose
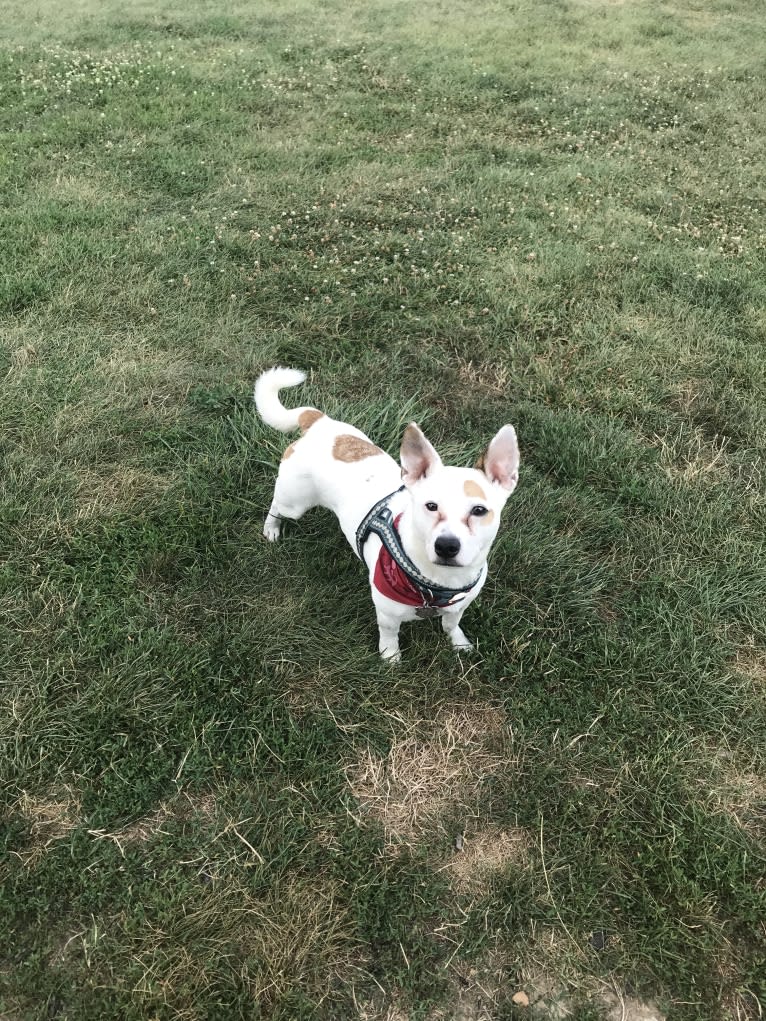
{"x": 447, "y": 547}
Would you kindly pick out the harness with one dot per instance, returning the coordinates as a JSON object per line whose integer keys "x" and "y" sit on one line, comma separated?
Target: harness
{"x": 413, "y": 588}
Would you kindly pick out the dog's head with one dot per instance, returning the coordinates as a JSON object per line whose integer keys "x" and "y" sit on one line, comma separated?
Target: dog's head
{"x": 456, "y": 511}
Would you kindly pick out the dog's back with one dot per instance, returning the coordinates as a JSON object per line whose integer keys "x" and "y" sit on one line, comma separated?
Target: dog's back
{"x": 332, "y": 464}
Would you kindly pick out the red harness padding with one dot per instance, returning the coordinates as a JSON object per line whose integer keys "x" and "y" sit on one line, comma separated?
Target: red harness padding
{"x": 391, "y": 581}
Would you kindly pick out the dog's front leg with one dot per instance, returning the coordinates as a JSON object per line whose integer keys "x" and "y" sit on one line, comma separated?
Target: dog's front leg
{"x": 451, "y": 626}
{"x": 389, "y": 636}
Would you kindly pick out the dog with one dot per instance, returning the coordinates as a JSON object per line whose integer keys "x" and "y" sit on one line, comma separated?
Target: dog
{"x": 423, "y": 530}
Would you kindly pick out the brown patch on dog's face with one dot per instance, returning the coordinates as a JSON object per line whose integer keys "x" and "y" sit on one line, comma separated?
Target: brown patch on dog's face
{"x": 473, "y": 489}
{"x": 485, "y": 519}
{"x": 288, "y": 452}
{"x": 349, "y": 448}
{"x": 307, "y": 418}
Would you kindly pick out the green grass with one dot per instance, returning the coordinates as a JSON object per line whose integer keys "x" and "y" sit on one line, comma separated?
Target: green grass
{"x": 217, "y": 802}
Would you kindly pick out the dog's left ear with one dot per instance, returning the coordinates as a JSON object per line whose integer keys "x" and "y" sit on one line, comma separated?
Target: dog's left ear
{"x": 418, "y": 457}
{"x": 500, "y": 461}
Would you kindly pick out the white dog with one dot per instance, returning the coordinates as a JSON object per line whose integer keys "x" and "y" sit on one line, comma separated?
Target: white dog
{"x": 426, "y": 541}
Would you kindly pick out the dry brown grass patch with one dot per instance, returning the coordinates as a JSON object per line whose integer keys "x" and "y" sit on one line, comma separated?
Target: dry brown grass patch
{"x": 477, "y": 989}
{"x": 738, "y": 789}
{"x": 372, "y": 1011}
{"x": 483, "y": 855}
{"x": 434, "y": 769}
{"x": 180, "y": 808}
{"x": 295, "y": 937}
{"x": 689, "y": 458}
{"x": 301, "y": 937}
{"x": 51, "y": 818}
{"x": 732, "y": 780}
{"x": 122, "y": 488}
{"x": 751, "y": 663}
{"x": 553, "y": 980}
{"x": 22, "y": 356}
{"x": 493, "y": 378}
{"x": 430, "y": 768}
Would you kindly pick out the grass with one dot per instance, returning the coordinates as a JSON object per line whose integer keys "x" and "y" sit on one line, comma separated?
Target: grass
{"x": 217, "y": 802}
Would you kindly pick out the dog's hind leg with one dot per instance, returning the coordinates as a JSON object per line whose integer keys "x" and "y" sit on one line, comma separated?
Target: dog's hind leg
{"x": 272, "y": 526}
{"x": 286, "y": 504}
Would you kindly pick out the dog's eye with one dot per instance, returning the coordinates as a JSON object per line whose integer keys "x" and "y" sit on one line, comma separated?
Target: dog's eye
{"x": 478, "y": 511}
{"x": 432, "y": 506}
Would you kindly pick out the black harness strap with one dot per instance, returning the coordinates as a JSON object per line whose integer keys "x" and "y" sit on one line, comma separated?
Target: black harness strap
{"x": 380, "y": 520}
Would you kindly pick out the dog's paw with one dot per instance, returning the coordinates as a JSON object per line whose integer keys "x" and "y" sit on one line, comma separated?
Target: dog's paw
{"x": 391, "y": 655}
{"x": 271, "y": 529}
{"x": 460, "y": 643}
{"x": 464, "y": 647}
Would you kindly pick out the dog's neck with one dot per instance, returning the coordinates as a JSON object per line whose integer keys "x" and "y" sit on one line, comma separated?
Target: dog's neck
{"x": 414, "y": 547}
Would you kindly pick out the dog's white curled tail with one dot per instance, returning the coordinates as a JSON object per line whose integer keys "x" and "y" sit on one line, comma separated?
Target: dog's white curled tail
{"x": 266, "y": 397}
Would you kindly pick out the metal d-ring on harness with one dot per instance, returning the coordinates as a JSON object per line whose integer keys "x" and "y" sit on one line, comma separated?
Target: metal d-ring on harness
{"x": 380, "y": 520}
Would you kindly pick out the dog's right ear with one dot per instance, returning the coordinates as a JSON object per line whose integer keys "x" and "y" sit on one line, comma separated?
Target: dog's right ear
{"x": 418, "y": 457}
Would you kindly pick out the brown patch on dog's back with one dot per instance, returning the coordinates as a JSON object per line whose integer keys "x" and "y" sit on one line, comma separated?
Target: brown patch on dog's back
{"x": 307, "y": 418}
{"x": 471, "y": 488}
{"x": 288, "y": 452}
{"x": 349, "y": 448}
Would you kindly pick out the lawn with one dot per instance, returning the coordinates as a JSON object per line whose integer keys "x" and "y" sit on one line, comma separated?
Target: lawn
{"x": 217, "y": 801}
